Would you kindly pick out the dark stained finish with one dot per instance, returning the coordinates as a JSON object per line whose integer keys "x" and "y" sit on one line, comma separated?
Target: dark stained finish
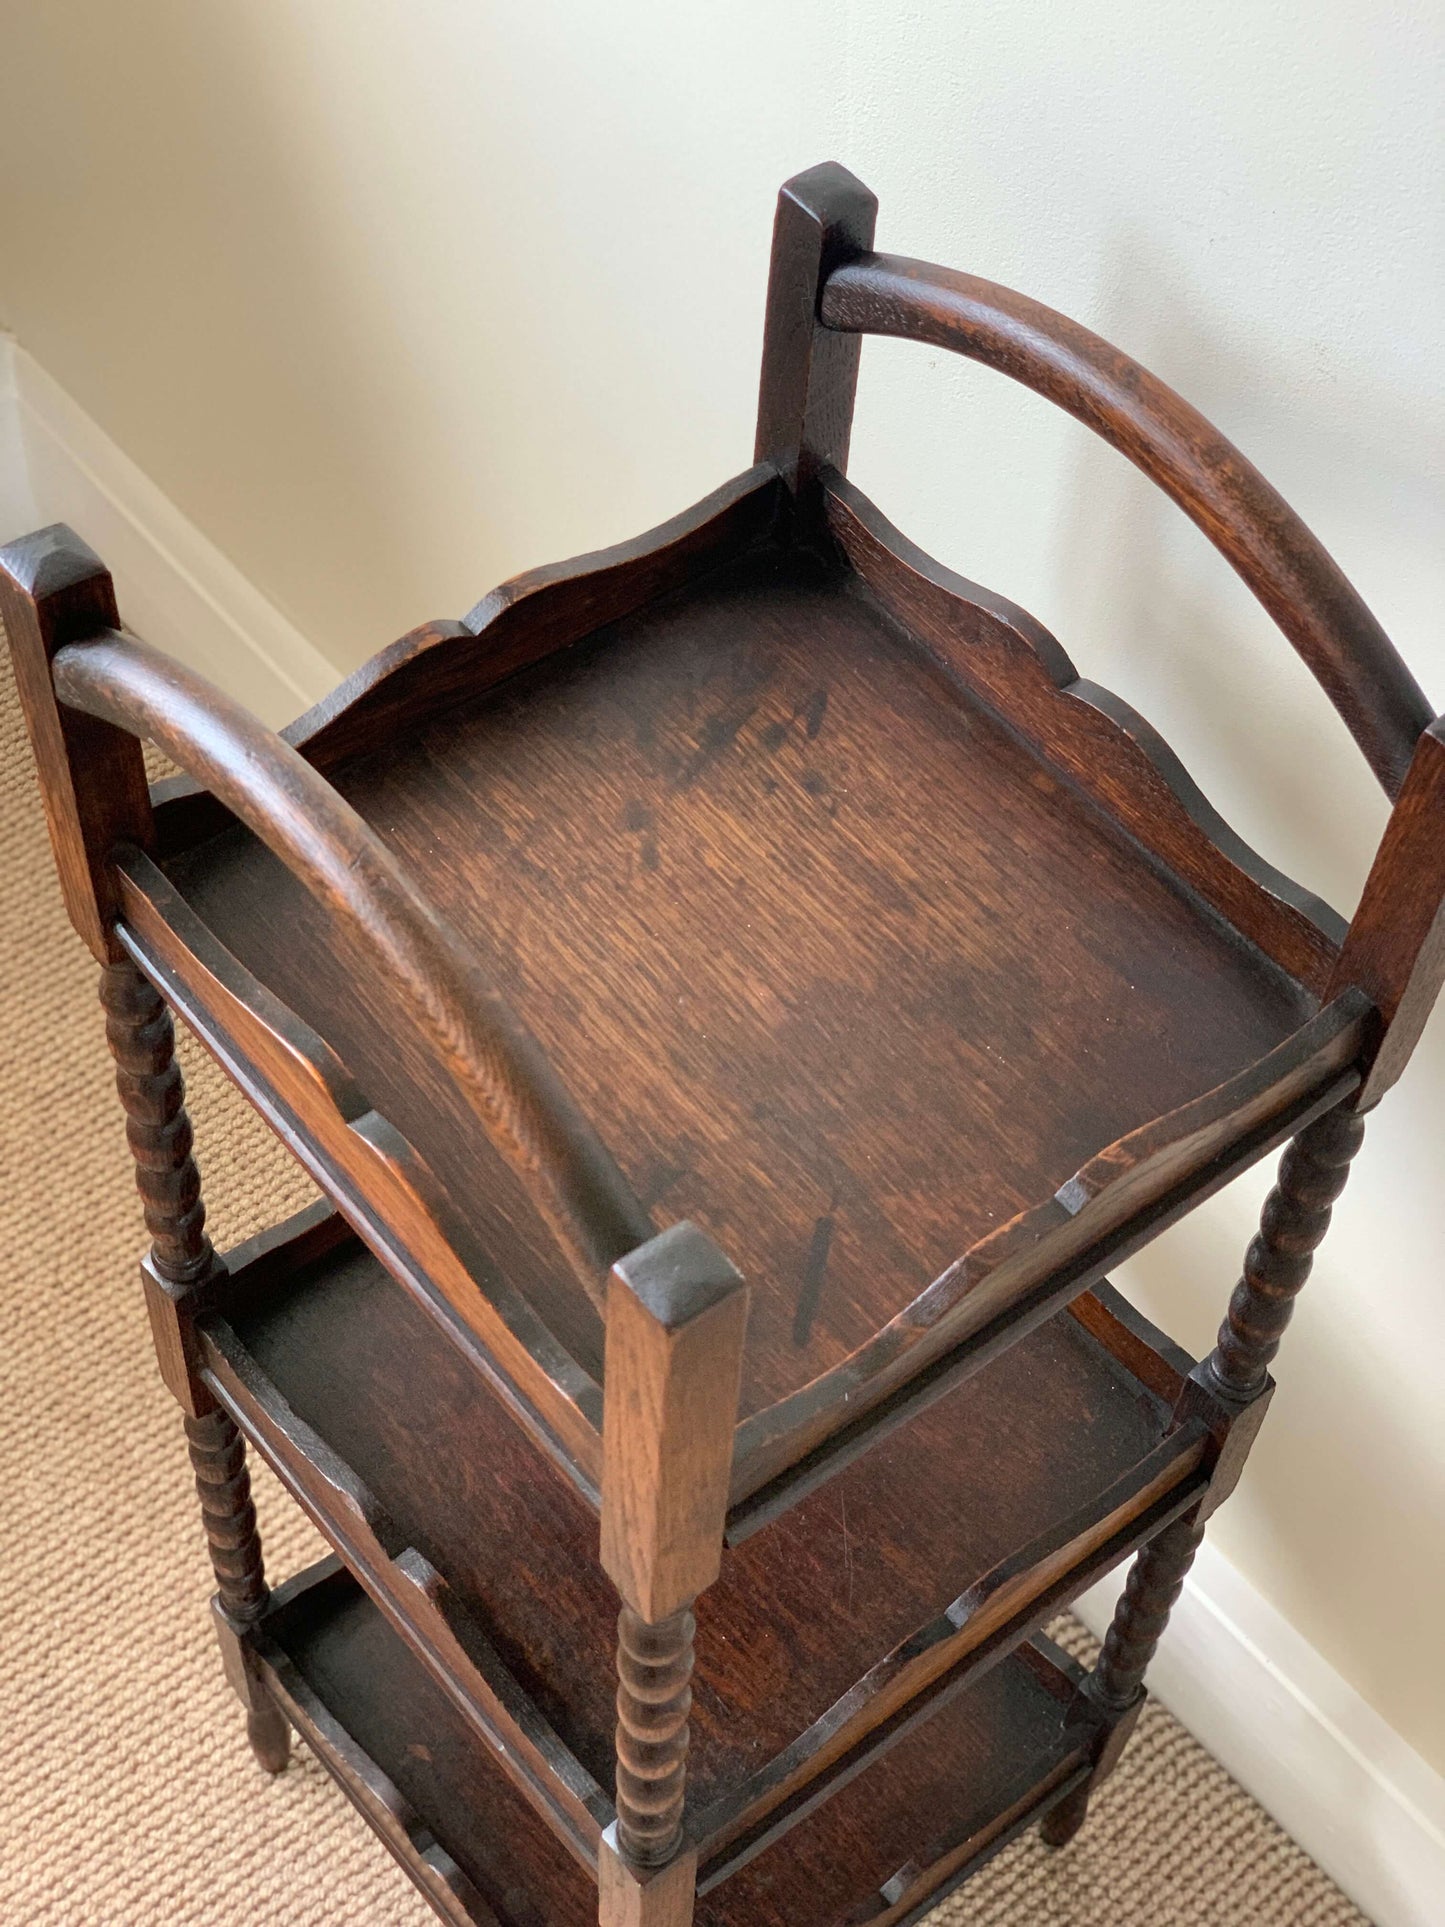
{"x": 305, "y": 1092}
{"x": 1010, "y": 662}
{"x": 395, "y": 1718}
{"x": 180, "y": 1265}
{"x": 532, "y": 616}
{"x": 439, "y": 1004}
{"x": 1155, "y": 1581}
{"x": 740, "y": 992}
{"x": 152, "y": 1092}
{"x": 1395, "y": 950}
{"x": 223, "y": 1486}
{"x": 795, "y": 956}
{"x": 654, "y": 1697}
{"x": 1006, "y": 1745}
{"x": 1295, "y": 1218}
{"x": 1247, "y": 521}
{"x": 805, "y": 408}
{"x": 893, "y": 1835}
{"x": 1116, "y": 1685}
{"x": 676, "y": 1313}
{"x": 54, "y": 589}
{"x": 868, "y": 1592}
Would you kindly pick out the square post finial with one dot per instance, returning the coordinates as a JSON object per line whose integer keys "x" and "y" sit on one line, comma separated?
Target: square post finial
{"x": 55, "y": 590}
{"x": 810, "y": 373}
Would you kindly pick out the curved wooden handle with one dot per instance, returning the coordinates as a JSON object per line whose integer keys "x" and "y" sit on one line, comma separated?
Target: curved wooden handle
{"x": 1247, "y": 521}
{"x": 385, "y": 925}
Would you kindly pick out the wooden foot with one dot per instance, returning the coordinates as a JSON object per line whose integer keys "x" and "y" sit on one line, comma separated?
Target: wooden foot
{"x": 269, "y": 1735}
{"x": 1066, "y": 1816}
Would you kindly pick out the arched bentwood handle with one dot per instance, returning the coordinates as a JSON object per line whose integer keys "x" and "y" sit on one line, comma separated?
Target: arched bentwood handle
{"x": 1246, "y": 520}
{"x": 386, "y": 923}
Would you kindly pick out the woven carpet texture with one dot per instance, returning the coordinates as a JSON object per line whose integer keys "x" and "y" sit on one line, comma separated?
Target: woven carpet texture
{"x": 128, "y": 1796}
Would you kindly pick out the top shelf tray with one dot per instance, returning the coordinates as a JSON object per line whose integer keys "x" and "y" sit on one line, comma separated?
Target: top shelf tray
{"x": 839, "y": 962}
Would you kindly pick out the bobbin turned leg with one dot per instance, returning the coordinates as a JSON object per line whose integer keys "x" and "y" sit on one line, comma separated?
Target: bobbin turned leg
{"x": 223, "y": 1485}
{"x": 1232, "y": 1380}
{"x": 1295, "y": 1218}
{"x": 1116, "y": 1685}
{"x": 676, "y": 1310}
{"x": 142, "y": 1041}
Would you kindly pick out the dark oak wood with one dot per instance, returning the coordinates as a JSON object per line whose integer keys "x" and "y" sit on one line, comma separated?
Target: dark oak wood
{"x": 654, "y": 1697}
{"x": 1013, "y": 664}
{"x": 152, "y": 1092}
{"x": 1395, "y": 950}
{"x": 532, "y": 855}
{"x": 380, "y": 1725}
{"x": 805, "y": 407}
{"x": 532, "y": 616}
{"x": 1155, "y": 1582}
{"x": 809, "y": 1637}
{"x": 1224, "y": 494}
{"x": 1116, "y": 1685}
{"x": 54, "y": 589}
{"x": 675, "y": 1319}
{"x": 181, "y": 1259}
{"x": 740, "y": 992}
{"x": 383, "y": 1727}
{"x": 1295, "y": 1218}
{"x": 387, "y": 930}
{"x": 374, "y": 1175}
{"x": 223, "y": 1485}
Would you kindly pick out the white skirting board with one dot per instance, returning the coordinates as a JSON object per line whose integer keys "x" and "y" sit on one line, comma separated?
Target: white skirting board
{"x": 17, "y": 504}
{"x": 1301, "y": 1740}
{"x": 174, "y": 586}
{"x": 1282, "y": 1721}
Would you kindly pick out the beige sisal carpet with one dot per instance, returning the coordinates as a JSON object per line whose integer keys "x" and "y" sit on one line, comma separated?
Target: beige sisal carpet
{"x": 128, "y": 1797}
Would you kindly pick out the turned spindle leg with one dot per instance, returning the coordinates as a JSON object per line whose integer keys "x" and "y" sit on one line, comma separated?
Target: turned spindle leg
{"x": 1116, "y": 1685}
{"x": 223, "y": 1485}
{"x": 1155, "y": 1582}
{"x": 142, "y": 1041}
{"x": 676, "y": 1310}
{"x": 654, "y": 1697}
{"x": 1294, "y": 1220}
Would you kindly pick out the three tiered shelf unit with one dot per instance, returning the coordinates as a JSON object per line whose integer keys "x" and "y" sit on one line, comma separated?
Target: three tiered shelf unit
{"x": 739, "y": 994}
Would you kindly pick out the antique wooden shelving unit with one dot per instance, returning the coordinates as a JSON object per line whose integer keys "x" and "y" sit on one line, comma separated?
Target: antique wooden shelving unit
{"x": 756, "y": 901}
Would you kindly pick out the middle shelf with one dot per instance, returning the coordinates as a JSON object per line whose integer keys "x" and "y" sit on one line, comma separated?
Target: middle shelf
{"x": 830, "y": 1634}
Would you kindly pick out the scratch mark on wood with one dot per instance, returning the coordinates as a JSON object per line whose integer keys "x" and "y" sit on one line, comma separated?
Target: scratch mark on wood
{"x": 813, "y": 1272}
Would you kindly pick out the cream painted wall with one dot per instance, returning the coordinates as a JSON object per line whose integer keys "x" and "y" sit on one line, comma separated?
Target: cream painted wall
{"x": 394, "y": 300}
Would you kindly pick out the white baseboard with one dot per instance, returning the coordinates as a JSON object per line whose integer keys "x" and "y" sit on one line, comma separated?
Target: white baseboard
{"x": 17, "y": 503}
{"x": 1301, "y": 1740}
{"x": 174, "y": 585}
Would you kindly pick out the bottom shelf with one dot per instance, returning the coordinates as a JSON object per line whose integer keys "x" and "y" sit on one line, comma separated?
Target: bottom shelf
{"x": 884, "y": 1845}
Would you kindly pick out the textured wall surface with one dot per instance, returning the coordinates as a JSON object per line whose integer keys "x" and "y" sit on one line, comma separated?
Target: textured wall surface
{"x": 393, "y": 301}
